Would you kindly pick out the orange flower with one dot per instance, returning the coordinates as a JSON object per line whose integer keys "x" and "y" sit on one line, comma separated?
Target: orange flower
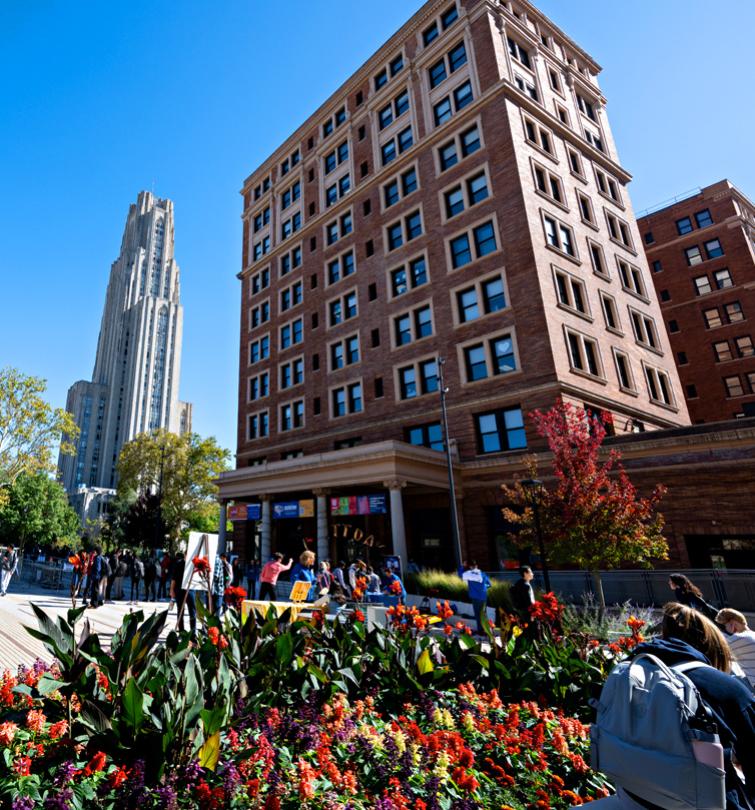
{"x": 35, "y": 720}
{"x": 7, "y": 733}
{"x": 117, "y": 777}
{"x": 358, "y": 616}
{"x": 201, "y": 565}
{"x": 57, "y": 730}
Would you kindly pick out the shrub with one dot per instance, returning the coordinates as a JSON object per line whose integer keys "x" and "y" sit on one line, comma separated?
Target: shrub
{"x": 442, "y": 585}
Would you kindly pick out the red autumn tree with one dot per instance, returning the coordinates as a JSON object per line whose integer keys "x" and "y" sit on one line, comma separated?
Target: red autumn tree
{"x": 592, "y": 517}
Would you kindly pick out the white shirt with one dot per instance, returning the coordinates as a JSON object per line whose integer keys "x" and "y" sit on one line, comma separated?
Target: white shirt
{"x": 742, "y": 646}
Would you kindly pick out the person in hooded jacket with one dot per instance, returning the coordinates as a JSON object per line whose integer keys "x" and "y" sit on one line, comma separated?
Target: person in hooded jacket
{"x": 688, "y": 636}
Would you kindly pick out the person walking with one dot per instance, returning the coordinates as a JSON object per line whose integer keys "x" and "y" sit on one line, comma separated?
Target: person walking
{"x": 356, "y": 570}
{"x": 151, "y": 575}
{"x": 238, "y": 572}
{"x": 478, "y": 584}
{"x": 740, "y": 638}
{"x": 339, "y": 575}
{"x": 324, "y": 578}
{"x": 222, "y": 577}
{"x": 303, "y": 571}
{"x": 522, "y": 594}
{"x": 270, "y": 573}
{"x": 687, "y": 593}
{"x": 184, "y": 599}
{"x": 252, "y": 575}
{"x": 96, "y": 574}
{"x": 113, "y": 568}
{"x": 373, "y": 581}
{"x": 163, "y": 590}
{"x": 137, "y": 575}
{"x": 121, "y": 572}
{"x": 8, "y": 565}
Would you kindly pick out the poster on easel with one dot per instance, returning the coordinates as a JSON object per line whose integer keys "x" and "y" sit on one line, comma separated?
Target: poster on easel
{"x": 200, "y": 544}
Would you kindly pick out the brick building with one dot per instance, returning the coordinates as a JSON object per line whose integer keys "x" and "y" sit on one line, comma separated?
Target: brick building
{"x": 702, "y": 253}
{"x": 459, "y": 197}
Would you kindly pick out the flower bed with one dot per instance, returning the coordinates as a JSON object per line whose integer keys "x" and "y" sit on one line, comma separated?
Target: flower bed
{"x": 319, "y": 715}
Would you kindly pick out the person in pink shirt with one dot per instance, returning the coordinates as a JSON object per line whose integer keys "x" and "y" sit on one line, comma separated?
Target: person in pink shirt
{"x": 269, "y": 575}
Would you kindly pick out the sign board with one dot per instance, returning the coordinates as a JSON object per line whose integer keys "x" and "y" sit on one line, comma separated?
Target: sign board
{"x": 245, "y": 511}
{"x": 200, "y": 544}
{"x": 254, "y": 511}
{"x": 359, "y": 505}
{"x": 299, "y": 591}
{"x": 293, "y": 509}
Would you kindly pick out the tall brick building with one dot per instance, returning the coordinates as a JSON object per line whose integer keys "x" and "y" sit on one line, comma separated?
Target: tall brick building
{"x": 460, "y": 196}
{"x": 701, "y": 250}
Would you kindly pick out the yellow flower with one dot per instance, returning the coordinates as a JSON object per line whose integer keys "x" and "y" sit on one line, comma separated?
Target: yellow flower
{"x": 441, "y": 766}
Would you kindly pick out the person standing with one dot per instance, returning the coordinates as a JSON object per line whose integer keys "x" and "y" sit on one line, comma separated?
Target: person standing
{"x": 390, "y": 578}
{"x": 687, "y": 593}
{"x": 162, "y": 591}
{"x": 522, "y": 594}
{"x": 252, "y": 575}
{"x": 740, "y": 638}
{"x": 9, "y": 565}
{"x": 238, "y": 572}
{"x": 324, "y": 577}
{"x": 113, "y": 570}
{"x": 303, "y": 571}
{"x": 184, "y": 599}
{"x": 478, "y": 584}
{"x": 121, "y": 572}
{"x": 340, "y": 579}
{"x": 151, "y": 574}
{"x": 222, "y": 577}
{"x": 373, "y": 580}
{"x": 137, "y": 574}
{"x": 270, "y": 573}
{"x": 96, "y": 573}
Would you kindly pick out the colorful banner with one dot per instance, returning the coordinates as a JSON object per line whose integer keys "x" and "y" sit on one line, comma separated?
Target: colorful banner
{"x": 245, "y": 511}
{"x": 359, "y": 505}
{"x": 293, "y": 509}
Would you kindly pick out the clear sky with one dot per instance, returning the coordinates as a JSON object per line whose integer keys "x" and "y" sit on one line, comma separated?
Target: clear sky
{"x": 99, "y": 100}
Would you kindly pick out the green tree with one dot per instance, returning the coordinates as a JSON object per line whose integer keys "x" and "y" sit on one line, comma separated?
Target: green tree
{"x": 180, "y": 470}
{"x": 37, "y": 511}
{"x": 593, "y": 516}
{"x": 30, "y": 428}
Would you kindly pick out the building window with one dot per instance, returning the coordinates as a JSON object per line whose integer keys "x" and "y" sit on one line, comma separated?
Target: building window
{"x": 624, "y": 370}
{"x": 723, "y": 279}
{"x": 291, "y": 333}
{"x": 527, "y": 86}
{"x": 607, "y": 186}
{"x": 703, "y": 218}
{"x": 400, "y": 186}
{"x": 500, "y": 430}
{"x": 594, "y": 139}
{"x": 586, "y": 107}
{"x": 408, "y": 276}
{"x": 334, "y": 122}
{"x": 393, "y": 110}
{"x": 712, "y": 318}
{"x": 722, "y": 351}
{"x": 733, "y": 386}
{"x": 261, "y": 248}
{"x": 713, "y": 248}
{"x": 459, "y": 98}
{"x": 290, "y": 195}
{"x": 413, "y": 325}
{"x": 336, "y": 191}
{"x": 338, "y": 228}
{"x": 290, "y": 261}
{"x": 665, "y": 295}
{"x": 490, "y": 292}
{"x": 403, "y": 230}
{"x": 258, "y": 425}
{"x": 751, "y": 381}
{"x": 631, "y": 278}
{"x": 291, "y": 296}
{"x": 610, "y": 312}
{"x": 292, "y": 415}
{"x": 585, "y": 208}
{"x": 464, "y": 195}
{"x": 559, "y": 236}
{"x": 291, "y": 225}
{"x": 575, "y": 163}
{"x": 597, "y": 257}
{"x": 472, "y": 244}
{"x": 548, "y": 184}
{"x": 571, "y": 292}
{"x": 619, "y": 230}
{"x": 644, "y": 329}
{"x": 347, "y": 399}
{"x": 342, "y": 309}
{"x": 450, "y": 63}
{"x": 693, "y": 255}
{"x": 683, "y": 226}
{"x": 259, "y": 315}
{"x": 681, "y": 358}
{"x": 429, "y": 435}
{"x": 538, "y": 136}
{"x": 460, "y": 146}
{"x": 396, "y": 145}
{"x": 702, "y": 285}
{"x": 673, "y": 327}
{"x": 659, "y": 386}
{"x": 519, "y": 53}
{"x": 259, "y": 386}
{"x": 259, "y": 349}
{"x": 261, "y": 219}
{"x": 744, "y": 346}
{"x": 341, "y": 267}
{"x": 336, "y": 157}
{"x": 657, "y": 266}
{"x": 344, "y": 353}
{"x": 292, "y": 373}
{"x": 260, "y": 281}
{"x": 691, "y": 391}
{"x": 734, "y": 312}
{"x": 418, "y": 379}
{"x": 583, "y": 353}
{"x": 492, "y": 357}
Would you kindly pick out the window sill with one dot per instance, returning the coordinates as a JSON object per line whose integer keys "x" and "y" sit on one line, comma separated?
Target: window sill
{"x": 586, "y": 374}
{"x": 648, "y": 348}
{"x": 585, "y": 316}
{"x": 564, "y": 255}
{"x": 620, "y": 244}
{"x": 545, "y": 196}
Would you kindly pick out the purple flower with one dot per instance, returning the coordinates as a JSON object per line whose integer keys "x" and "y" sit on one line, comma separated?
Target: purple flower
{"x": 167, "y": 797}
{"x": 60, "y": 801}
{"x": 65, "y": 773}
{"x": 23, "y": 803}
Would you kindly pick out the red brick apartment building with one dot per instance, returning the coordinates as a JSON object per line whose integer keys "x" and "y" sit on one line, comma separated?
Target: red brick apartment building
{"x": 701, "y": 250}
{"x": 460, "y": 196}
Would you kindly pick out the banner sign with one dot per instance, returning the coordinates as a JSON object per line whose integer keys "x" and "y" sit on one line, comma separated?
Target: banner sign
{"x": 254, "y": 511}
{"x": 245, "y": 511}
{"x": 294, "y": 509}
{"x": 359, "y": 505}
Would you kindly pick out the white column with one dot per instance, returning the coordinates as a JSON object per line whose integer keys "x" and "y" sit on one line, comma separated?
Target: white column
{"x": 266, "y": 530}
{"x": 398, "y": 530}
{"x": 323, "y": 547}
{"x": 221, "y": 527}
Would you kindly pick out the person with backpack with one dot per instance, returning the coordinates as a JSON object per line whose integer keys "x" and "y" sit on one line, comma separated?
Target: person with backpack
{"x": 687, "y": 593}
{"x": 137, "y": 575}
{"x": 478, "y": 585}
{"x": 674, "y": 728}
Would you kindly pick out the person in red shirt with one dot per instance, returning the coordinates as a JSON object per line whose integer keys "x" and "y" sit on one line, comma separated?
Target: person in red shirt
{"x": 270, "y": 573}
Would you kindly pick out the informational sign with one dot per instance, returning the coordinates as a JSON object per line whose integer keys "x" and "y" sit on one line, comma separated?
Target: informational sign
{"x": 359, "y": 505}
{"x": 254, "y": 511}
{"x": 201, "y": 544}
{"x": 293, "y": 509}
{"x": 299, "y": 591}
{"x": 245, "y": 511}
{"x": 393, "y": 562}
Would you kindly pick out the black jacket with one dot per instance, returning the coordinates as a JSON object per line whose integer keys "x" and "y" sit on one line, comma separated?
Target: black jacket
{"x": 522, "y": 595}
{"x": 733, "y": 707}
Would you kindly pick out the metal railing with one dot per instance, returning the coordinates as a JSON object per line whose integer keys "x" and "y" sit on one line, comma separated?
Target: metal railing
{"x": 722, "y": 588}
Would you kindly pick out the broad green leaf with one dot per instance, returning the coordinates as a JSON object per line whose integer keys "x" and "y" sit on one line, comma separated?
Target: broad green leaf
{"x": 209, "y": 753}
{"x": 424, "y": 663}
{"x": 133, "y": 705}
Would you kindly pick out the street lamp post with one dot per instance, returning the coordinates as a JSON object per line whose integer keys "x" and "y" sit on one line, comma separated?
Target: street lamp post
{"x": 449, "y": 464}
{"x": 533, "y": 486}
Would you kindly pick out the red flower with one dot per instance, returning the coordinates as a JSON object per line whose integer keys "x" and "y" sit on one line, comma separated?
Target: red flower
{"x": 234, "y": 597}
{"x": 117, "y": 777}
{"x": 22, "y": 766}
{"x": 395, "y": 588}
{"x": 358, "y": 616}
{"x": 96, "y": 763}
{"x": 201, "y": 565}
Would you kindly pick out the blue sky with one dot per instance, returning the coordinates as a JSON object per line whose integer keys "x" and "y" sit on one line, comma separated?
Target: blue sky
{"x": 101, "y": 100}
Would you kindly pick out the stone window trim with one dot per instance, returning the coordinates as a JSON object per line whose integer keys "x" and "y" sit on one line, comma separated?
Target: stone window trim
{"x": 259, "y": 305}
{"x": 491, "y": 217}
{"x": 257, "y": 377}
{"x": 477, "y": 283}
{"x": 251, "y": 213}
{"x": 419, "y": 207}
{"x": 591, "y": 244}
{"x": 346, "y": 386}
{"x": 550, "y": 176}
{"x": 340, "y": 107}
{"x": 623, "y": 227}
{"x": 658, "y": 373}
{"x": 416, "y": 363}
{"x": 259, "y": 274}
{"x": 559, "y": 223}
{"x": 592, "y": 222}
{"x": 290, "y": 324}
{"x": 258, "y": 340}
{"x": 410, "y": 311}
{"x": 290, "y": 289}
{"x": 292, "y": 403}
{"x": 406, "y": 264}
{"x": 632, "y": 390}
{"x": 733, "y": 386}
{"x": 608, "y": 185}
{"x": 605, "y": 297}
{"x": 376, "y": 93}
{"x": 447, "y": 90}
{"x": 573, "y": 156}
{"x": 342, "y": 340}
{"x": 339, "y": 258}
{"x": 456, "y": 137}
{"x": 342, "y": 295}
{"x": 398, "y": 178}
{"x": 249, "y": 437}
{"x": 337, "y": 217}
{"x": 462, "y": 181}
{"x": 485, "y": 339}
{"x": 630, "y": 289}
{"x": 647, "y": 322}
{"x": 582, "y": 338}
{"x": 290, "y": 253}
{"x": 380, "y": 138}
{"x": 572, "y": 278}
{"x": 540, "y": 131}
{"x": 289, "y": 361}
{"x": 430, "y": 50}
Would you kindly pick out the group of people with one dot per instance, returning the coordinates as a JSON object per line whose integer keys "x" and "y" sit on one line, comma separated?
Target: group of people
{"x": 344, "y": 582}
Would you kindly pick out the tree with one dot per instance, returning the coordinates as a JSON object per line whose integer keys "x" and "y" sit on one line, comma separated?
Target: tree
{"x": 30, "y": 428}
{"x": 593, "y": 516}
{"x": 179, "y": 470}
{"x": 37, "y": 510}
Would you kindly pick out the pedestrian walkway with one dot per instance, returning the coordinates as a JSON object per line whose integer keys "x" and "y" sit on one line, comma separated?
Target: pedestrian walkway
{"x": 18, "y": 647}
